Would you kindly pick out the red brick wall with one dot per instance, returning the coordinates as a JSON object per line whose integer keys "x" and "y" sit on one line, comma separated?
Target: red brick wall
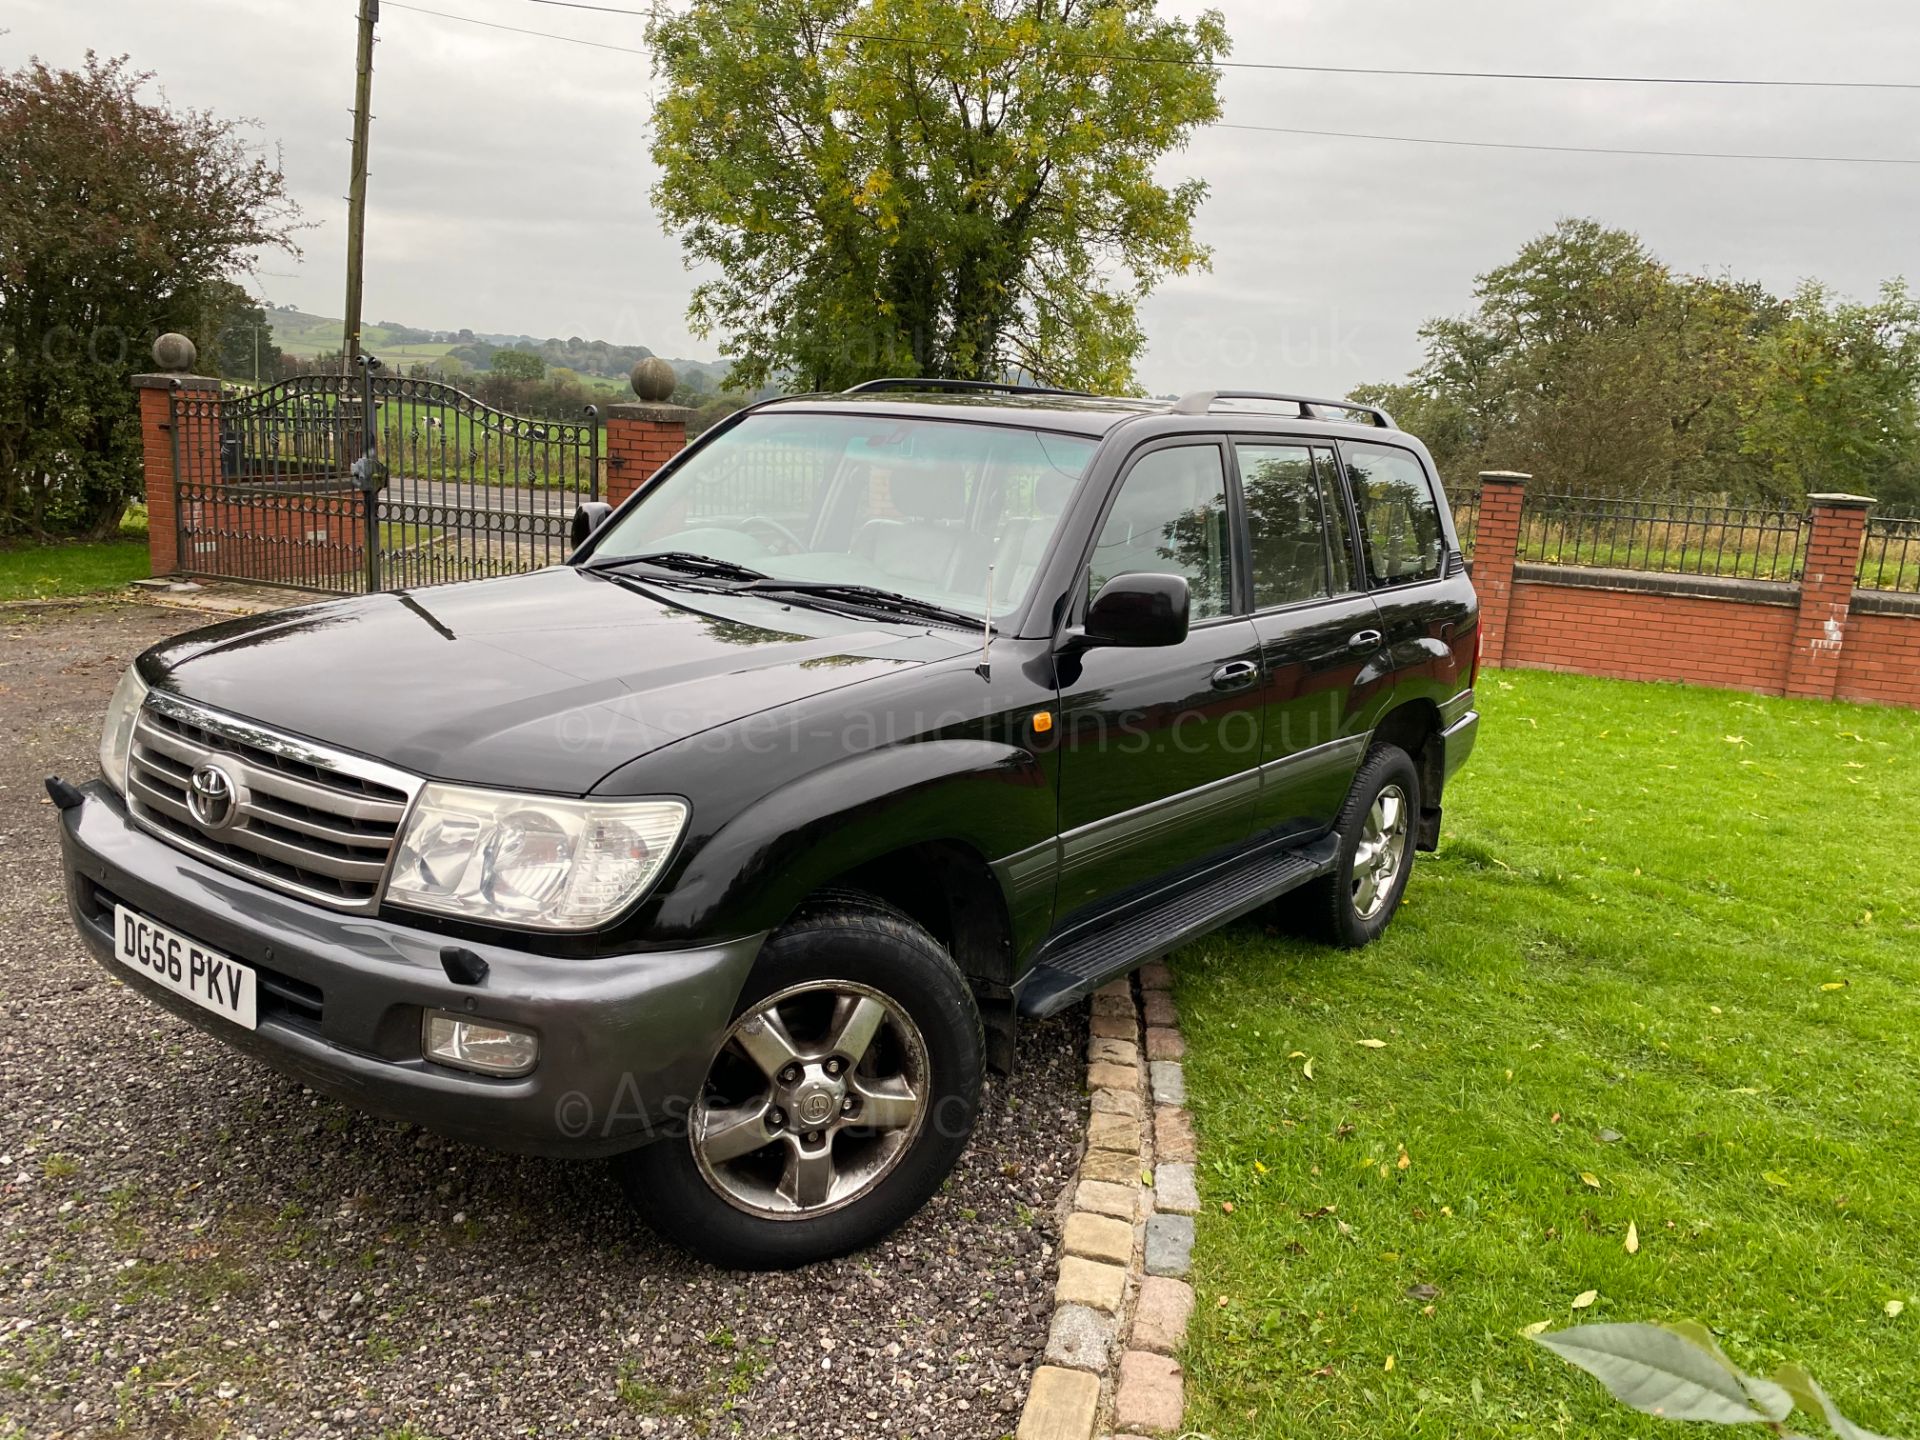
{"x": 156, "y": 460}
{"x": 1634, "y": 635}
{"x": 1880, "y": 659}
{"x": 1826, "y": 592}
{"x": 1816, "y": 638}
{"x": 640, "y": 439}
{"x": 1497, "y": 539}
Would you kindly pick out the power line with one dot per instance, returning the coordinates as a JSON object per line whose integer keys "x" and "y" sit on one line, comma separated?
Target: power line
{"x": 1287, "y": 129}
{"x": 1574, "y": 149}
{"x": 517, "y": 30}
{"x": 1574, "y": 77}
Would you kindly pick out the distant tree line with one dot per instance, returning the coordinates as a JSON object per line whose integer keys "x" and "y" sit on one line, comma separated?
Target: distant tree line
{"x": 584, "y": 357}
{"x": 1599, "y": 370}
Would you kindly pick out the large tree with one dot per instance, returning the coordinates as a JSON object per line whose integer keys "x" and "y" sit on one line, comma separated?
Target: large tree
{"x": 950, "y": 188}
{"x": 239, "y": 338}
{"x": 118, "y": 216}
{"x": 1600, "y": 370}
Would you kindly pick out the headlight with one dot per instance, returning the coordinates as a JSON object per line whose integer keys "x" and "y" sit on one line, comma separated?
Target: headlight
{"x": 116, "y": 738}
{"x": 529, "y": 860}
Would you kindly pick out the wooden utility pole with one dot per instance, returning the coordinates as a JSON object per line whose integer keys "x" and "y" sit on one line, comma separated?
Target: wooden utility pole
{"x": 357, "y": 190}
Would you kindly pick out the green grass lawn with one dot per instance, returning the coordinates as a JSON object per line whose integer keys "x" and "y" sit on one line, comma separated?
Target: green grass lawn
{"x": 44, "y": 572}
{"x": 1664, "y": 974}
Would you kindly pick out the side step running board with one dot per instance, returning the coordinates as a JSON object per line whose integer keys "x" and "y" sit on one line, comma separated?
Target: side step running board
{"x": 1084, "y": 962}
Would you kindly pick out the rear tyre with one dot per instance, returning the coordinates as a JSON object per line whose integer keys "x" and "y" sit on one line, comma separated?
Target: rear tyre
{"x": 838, "y": 1100}
{"x": 1353, "y": 904}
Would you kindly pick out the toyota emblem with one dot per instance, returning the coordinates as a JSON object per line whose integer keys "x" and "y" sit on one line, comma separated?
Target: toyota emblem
{"x": 212, "y": 798}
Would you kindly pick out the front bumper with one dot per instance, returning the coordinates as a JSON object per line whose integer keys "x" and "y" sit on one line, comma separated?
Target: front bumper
{"x": 625, "y": 1041}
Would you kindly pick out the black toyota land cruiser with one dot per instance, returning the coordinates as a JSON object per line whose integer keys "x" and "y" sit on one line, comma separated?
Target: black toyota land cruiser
{"x": 737, "y": 846}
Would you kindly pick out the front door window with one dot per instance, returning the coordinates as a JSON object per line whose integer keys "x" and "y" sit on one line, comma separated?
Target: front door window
{"x": 1170, "y": 518}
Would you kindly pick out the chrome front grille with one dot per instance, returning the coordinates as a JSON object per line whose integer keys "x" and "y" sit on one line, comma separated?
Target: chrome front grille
{"x": 305, "y": 819}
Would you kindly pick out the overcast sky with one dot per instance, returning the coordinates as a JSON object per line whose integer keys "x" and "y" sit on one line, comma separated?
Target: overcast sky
{"x": 510, "y": 174}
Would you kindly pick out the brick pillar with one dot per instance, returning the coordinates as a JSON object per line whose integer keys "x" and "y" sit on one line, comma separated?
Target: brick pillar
{"x": 1496, "y": 544}
{"x": 1837, "y": 524}
{"x": 199, "y": 453}
{"x": 640, "y": 439}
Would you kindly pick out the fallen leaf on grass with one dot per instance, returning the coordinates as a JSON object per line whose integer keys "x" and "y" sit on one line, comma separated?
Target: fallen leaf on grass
{"x": 1589, "y": 1179}
{"x": 1609, "y": 1137}
{"x": 1775, "y": 1179}
{"x": 1432, "y": 1292}
{"x": 1372, "y": 1044}
{"x": 1633, "y": 1238}
{"x": 1405, "y": 1160}
{"x": 1226, "y": 1207}
{"x": 1539, "y": 1327}
{"x": 1389, "y": 1364}
{"x": 1835, "y": 985}
{"x": 1585, "y": 1298}
{"x": 1307, "y": 1069}
{"x": 1894, "y": 1307}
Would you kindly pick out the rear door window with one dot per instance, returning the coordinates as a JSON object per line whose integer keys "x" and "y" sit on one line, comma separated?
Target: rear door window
{"x": 1400, "y": 533}
{"x": 1296, "y": 523}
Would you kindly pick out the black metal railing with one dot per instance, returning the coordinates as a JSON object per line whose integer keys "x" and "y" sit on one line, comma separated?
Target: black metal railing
{"x": 1676, "y": 537}
{"x": 1890, "y": 555}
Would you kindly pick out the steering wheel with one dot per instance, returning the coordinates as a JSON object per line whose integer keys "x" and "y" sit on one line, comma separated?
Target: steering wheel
{"x": 793, "y": 542}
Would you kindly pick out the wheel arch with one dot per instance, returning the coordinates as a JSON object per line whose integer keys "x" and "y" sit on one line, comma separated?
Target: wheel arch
{"x": 1414, "y": 725}
{"x": 955, "y": 805}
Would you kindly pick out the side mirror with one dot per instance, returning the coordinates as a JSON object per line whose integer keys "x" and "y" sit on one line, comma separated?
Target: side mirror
{"x": 588, "y": 518}
{"x": 1138, "y": 610}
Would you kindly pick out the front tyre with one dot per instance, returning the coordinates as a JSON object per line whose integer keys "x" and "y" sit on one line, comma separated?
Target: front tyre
{"x": 837, "y": 1101}
{"x": 1353, "y": 905}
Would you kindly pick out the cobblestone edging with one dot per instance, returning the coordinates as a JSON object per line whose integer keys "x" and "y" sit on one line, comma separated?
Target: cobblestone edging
{"x": 1122, "y": 1301}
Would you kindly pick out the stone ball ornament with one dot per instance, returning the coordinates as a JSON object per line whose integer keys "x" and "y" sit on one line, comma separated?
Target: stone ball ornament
{"x": 173, "y": 351}
{"x": 653, "y": 380}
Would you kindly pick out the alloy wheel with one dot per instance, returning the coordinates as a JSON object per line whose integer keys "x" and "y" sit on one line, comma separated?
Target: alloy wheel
{"x": 816, "y": 1094}
{"x": 1381, "y": 852}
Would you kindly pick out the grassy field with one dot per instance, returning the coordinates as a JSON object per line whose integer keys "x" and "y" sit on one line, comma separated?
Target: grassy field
{"x": 43, "y": 572}
{"x": 1661, "y": 985}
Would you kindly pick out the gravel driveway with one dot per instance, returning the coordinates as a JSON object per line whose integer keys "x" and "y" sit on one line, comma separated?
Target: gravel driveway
{"x": 191, "y": 1245}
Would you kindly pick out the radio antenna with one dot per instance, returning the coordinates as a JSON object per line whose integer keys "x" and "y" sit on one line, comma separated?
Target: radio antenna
{"x": 985, "y": 668}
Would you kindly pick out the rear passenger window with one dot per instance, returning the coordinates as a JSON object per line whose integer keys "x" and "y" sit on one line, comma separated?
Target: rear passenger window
{"x": 1288, "y": 505}
{"x": 1170, "y": 518}
{"x": 1399, "y": 522}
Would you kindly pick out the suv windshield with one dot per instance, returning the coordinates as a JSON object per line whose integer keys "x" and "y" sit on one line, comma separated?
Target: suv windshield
{"x": 920, "y": 507}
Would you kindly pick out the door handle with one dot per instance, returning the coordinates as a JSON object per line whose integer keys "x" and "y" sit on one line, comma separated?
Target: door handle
{"x": 1234, "y": 674}
{"x": 1365, "y": 640}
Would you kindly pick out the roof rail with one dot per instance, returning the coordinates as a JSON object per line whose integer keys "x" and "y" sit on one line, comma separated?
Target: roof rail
{"x": 908, "y": 382}
{"x": 1200, "y": 402}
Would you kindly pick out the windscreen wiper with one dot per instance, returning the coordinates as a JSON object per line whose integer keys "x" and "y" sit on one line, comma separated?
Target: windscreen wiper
{"x": 685, "y": 561}
{"x": 868, "y": 597}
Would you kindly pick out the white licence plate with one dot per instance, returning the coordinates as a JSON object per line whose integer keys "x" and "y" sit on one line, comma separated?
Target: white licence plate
{"x": 211, "y": 981}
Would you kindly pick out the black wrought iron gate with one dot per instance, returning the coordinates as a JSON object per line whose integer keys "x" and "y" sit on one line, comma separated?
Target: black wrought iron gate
{"x": 372, "y": 482}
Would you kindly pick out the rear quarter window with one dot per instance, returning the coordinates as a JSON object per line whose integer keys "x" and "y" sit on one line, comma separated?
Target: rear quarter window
{"x": 1400, "y": 532}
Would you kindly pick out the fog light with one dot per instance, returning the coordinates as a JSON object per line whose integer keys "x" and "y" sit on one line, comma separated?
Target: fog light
{"x": 483, "y": 1045}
